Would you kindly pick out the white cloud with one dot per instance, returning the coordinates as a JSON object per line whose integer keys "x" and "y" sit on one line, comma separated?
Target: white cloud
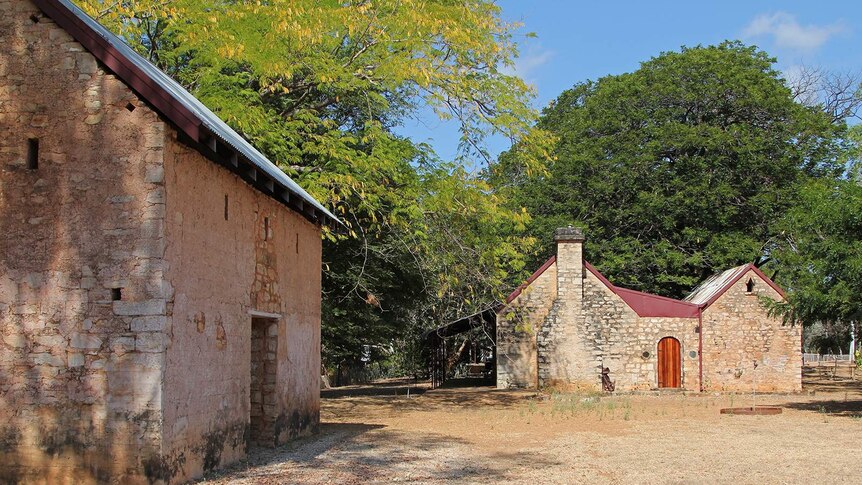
{"x": 789, "y": 33}
{"x": 528, "y": 62}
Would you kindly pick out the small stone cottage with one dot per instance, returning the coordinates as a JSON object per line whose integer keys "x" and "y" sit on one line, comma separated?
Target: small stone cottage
{"x": 159, "y": 277}
{"x": 568, "y": 323}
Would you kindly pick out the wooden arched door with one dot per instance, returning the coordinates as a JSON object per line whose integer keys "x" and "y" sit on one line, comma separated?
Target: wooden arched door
{"x": 669, "y": 363}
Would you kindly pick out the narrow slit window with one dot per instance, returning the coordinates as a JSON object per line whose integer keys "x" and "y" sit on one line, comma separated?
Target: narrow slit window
{"x": 226, "y": 214}
{"x": 297, "y": 243}
{"x": 266, "y": 228}
{"x": 116, "y": 294}
{"x": 33, "y": 153}
{"x": 749, "y": 287}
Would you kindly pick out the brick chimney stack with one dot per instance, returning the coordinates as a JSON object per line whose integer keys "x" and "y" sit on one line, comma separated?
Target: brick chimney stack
{"x": 570, "y": 264}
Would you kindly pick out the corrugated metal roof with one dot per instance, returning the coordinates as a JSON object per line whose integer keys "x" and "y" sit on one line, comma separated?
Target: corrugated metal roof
{"x": 649, "y": 305}
{"x": 177, "y": 93}
{"x": 715, "y": 285}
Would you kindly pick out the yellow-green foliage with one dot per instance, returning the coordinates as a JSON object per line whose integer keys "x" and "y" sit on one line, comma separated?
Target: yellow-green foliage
{"x": 318, "y": 86}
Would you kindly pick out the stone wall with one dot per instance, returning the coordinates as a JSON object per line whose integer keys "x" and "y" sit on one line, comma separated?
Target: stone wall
{"x": 737, "y": 332}
{"x": 232, "y": 254}
{"x": 131, "y": 270}
{"x": 82, "y": 304}
{"x": 629, "y": 342}
{"x": 517, "y": 325}
{"x": 567, "y": 351}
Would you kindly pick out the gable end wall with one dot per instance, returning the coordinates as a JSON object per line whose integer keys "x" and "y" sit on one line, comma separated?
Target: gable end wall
{"x": 80, "y": 374}
{"x": 739, "y": 332}
{"x": 517, "y": 326}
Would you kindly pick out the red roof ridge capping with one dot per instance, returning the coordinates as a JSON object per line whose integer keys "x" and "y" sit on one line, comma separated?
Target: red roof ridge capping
{"x": 532, "y": 278}
{"x": 647, "y": 304}
{"x": 747, "y": 267}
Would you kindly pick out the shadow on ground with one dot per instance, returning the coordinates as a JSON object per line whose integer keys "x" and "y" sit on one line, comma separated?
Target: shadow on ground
{"x": 353, "y": 453}
{"x": 843, "y": 396}
{"x": 388, "y": 387}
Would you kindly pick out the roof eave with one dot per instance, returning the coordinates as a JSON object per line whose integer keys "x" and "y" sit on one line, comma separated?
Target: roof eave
{"x": 190, "y": 126}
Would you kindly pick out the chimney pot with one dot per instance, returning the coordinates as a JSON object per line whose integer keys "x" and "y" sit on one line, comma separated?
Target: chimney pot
{"x": 569, "y": 234}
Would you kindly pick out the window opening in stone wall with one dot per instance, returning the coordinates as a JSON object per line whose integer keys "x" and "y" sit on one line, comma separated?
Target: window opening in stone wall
{"x": 749, "y": 287}
{"x": 116, "y": 294}
{"x": 33, "y": 153}
{"x": 297, "y": 243}
{"x": 34, "y": 18}
{"x": 264, "y": 367}
{"x": 266, "y": 228}
{"x": 225, "y": 207}
{"x": 130, "y": 107}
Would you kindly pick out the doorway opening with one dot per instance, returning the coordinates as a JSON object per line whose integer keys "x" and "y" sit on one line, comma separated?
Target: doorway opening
{"x": 264, "y": 371}
{"x": 669, "y": 363}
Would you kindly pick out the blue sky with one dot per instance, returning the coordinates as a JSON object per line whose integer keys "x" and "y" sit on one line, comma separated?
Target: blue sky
{"x": 586, "y": 40}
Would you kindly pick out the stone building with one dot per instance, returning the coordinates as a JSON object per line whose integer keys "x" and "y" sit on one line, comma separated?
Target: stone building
{"x": 567, "y": 323}
{"x": 160, "y": 278}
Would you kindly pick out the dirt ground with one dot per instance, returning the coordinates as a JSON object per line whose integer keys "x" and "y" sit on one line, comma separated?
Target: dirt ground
{"x": 482, "y": 435}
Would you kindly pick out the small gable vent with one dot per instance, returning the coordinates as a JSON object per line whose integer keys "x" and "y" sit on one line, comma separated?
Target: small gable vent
{"x": 749, "y": 287}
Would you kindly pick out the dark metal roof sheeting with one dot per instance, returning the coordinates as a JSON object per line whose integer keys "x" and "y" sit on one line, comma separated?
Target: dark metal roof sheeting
{"x": 488, "y": 316}
{"x": 172, "y": 100}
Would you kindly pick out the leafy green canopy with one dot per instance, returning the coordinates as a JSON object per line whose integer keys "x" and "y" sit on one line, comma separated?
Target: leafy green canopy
{"x": 318, "y": 87}
{"x": 820, "y": 253}
{"x": 677, "y": 169}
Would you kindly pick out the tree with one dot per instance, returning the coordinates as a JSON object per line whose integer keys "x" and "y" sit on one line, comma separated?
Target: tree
{"x": 318, "y": 87}
{"x": 819, "y": 253}
{"x": 678, "y": 169}
{"x": 834, "y": 92}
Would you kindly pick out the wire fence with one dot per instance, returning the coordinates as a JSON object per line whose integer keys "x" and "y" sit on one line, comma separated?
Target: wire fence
{"x": 819, "y": 358}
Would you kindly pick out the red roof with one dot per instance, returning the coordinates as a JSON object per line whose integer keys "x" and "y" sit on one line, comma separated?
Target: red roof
{"x": 649, "y": 305}
{"x": 646, "y": 304}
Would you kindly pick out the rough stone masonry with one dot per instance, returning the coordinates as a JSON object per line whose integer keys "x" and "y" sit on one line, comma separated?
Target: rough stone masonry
{"x": 132, "y": 270}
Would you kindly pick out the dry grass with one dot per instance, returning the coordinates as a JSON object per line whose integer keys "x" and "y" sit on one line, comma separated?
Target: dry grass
{"x": 488, "y": 436}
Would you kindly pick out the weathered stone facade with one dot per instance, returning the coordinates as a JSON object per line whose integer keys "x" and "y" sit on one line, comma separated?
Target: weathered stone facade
{"x": 737, "y": 333}
{"x": 517, "y": 328}
{"x": 564, "y": 334}
{"x": 624, "y": 337}
{"x": 132, "y": 268}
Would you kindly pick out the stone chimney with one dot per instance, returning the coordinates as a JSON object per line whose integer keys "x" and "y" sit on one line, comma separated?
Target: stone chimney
{"x": 570, "y": 265}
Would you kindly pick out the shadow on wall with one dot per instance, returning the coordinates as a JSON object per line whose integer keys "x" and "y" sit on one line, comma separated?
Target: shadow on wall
{"x": 80, "y": 405}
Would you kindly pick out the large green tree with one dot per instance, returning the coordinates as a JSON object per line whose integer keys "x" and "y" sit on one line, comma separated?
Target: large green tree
{"x": 677, "y": 169}
{"x": 318, "y": 86}
{"x": 819, "y": 251}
